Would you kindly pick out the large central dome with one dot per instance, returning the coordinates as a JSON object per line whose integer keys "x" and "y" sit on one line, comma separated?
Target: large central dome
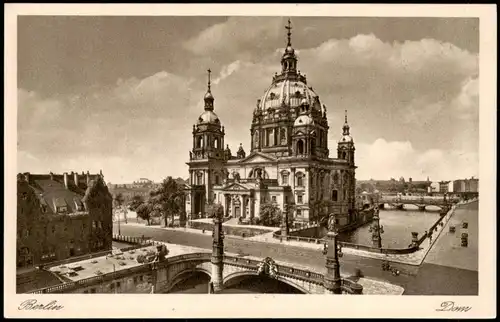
{"x": 289, "y": 89}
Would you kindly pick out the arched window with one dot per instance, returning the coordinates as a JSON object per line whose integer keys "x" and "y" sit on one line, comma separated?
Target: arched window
{"x": 270, "y": 137}
{"x": 334, "y": 195}
{"x": 199, "y": 142}
{"x": 199, "y": 178}
{"x": 313, "y": 145}
{"x": 343, "y": 155}
{"x": 256, "y": 139}
{"x": 300, "y": 147}
{"x": 283, "y": 139}
{"x": 217, "y": 179}
{"x": 216, "y": 143}
{"x": 300, "y": 179}
{"x": 284, "y": 178}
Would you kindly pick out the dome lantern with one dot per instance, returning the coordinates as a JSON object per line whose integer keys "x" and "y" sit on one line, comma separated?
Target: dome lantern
{"x": 289, "y": 60}
{"x": 209, "y": 98}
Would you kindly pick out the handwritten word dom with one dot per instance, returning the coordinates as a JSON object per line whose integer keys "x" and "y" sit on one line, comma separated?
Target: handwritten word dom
{"x": 32, "y": 304}
{"x": 449, "y": 306}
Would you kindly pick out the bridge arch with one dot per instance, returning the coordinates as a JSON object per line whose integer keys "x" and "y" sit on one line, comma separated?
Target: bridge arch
{"x": 237, "y": 277}
{"x": 184, "y": 275}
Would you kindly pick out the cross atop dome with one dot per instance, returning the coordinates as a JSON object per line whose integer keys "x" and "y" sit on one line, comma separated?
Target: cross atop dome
{"x": 289, "y": 33}
{"x": 209, "y": 98}
{"x": 209, "y": 71}
{"x": 346, "y": 125}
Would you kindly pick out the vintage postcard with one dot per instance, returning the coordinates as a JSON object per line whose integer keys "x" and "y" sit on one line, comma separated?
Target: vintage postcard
{"x": 250, "y": 161}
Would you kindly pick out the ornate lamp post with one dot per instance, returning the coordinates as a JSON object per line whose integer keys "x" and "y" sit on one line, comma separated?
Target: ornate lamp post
{"x": 284, "y": 221}
{"x": 376, "y": 230}
{"x": 333, "y": 282}
{"x": 217, "y": 259}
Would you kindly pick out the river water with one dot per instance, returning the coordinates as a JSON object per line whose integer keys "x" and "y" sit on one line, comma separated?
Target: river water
{"x": 398, "y": 225}
{"x": 198, "y": 284}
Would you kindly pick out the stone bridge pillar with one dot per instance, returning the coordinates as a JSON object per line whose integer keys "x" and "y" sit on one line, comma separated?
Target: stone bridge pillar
{"x": 332, "y": 280}
{"x": 376, "y": 229}
{"x": 217, "y": 260}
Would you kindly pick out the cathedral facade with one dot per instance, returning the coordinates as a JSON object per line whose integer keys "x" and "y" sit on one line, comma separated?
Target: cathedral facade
{"x": 289, "y": 161}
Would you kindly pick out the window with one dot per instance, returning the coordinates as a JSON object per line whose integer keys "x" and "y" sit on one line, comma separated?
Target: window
{"x": 274, "y": 199}
{"x": 94, "y": 224}
{"x": 53, "y": 229}
{"x": 217, "y": 179}
{"x": 118, "y": 284}
{"x": 345, "y": 194}
{"x": 284, "y": 179}
{"x": 299, "y": 212}
{"x": 300, "y": 147}
{"x": 199, "y": 178}
{"x": 299, "y": 199}
{"x": 334, "y": 195}
{"x": 286, "y": 199}
{"x": 300, "y": 180}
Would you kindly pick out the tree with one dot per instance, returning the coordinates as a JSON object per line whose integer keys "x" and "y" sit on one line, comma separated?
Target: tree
{"x": 118, "y": 203}
{"x": 167, "y": 199}
{"x": 135, "y": 202}
{"x": 270, "y": 215}
{"x": 144, "y": 211}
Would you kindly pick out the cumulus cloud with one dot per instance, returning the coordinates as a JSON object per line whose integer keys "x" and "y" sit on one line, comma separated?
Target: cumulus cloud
{"x": 238, "y": 37}
{"x": 421, "y": 97}
{"x": 137, "y": 121}
{"x": 384, "y": 160}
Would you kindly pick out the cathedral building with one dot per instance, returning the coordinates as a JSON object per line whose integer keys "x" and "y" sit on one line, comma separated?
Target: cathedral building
{"x": 289, "y": 160}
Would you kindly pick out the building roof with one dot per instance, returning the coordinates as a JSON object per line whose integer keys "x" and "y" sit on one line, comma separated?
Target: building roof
{"x": 52, "y": 192}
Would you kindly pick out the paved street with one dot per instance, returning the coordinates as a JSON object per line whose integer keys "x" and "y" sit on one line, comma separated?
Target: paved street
{"x": 428, "y": 279}
{"x": 312, "y": 258}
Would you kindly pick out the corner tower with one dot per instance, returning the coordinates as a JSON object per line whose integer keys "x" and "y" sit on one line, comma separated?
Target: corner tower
{"x": 345, "y": 148}
{"x": 207, "y": 156}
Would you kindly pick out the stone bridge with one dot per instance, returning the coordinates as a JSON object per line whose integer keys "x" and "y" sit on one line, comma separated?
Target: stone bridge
{"x": 420, "y": 201}
{"x": 177, "y": 269}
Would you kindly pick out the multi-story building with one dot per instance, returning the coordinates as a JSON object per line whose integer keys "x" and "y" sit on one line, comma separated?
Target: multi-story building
{"x": 61, "y": 216}
{"x": 444, "y": 186}
{"x": 289, "y": 159}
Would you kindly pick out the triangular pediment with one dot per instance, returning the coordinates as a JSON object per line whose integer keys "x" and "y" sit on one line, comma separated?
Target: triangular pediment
{"x": 258, "y": 157}
{"x": 235, "y": 187}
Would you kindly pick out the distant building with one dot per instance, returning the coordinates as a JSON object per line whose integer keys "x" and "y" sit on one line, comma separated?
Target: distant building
{"x": 466, "y": 185}
{"x": 444, "y": 187}
{"x": 61, "y": 216}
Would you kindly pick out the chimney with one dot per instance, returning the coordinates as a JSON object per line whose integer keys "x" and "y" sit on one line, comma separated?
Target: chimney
{"x": 65, "y": 179}
{"x": 27, "y": 177}
{"x": 51, "y": 176}
{"x": 75, "y": 177}
{"x": 88, "y": 178}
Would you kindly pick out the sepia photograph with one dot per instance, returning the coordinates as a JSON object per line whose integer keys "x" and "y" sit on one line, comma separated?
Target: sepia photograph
{"x": 249, "y": 154}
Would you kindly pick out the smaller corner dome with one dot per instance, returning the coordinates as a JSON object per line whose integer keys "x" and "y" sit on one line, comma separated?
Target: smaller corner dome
{"x": 208, "y": 117}
{"x": 346, "y": 138}
{"x": 303, "y": 120}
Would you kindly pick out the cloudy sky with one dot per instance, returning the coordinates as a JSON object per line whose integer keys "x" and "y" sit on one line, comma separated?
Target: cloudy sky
{"x": 121, "y": 93}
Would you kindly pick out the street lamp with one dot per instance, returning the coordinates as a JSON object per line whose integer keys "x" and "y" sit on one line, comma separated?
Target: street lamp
{"x": 333, "y": 251}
